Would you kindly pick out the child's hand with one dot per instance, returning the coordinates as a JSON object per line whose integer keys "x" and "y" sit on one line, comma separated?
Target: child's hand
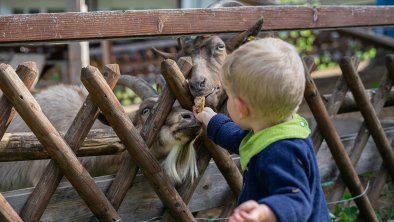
{"x": 205, "y": 115}
{"x": 251, "y": 211}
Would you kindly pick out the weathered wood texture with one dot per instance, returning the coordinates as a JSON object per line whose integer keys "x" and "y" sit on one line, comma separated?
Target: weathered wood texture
{"x": 60, "y": 152}
{"x": 335, "y": 145}
{"x": 146, "y": 23}
{"x": 27, "y": 72}
{"x": 383, "y": 174}
{"x": 128, "y": 169}
{"x": 378, "y": 99}
{"x": 7, "y": 213}
{"x": 140, "y": 204}
{"x": 135, "y": 145}
{"x": 349, "y": 105}
{"x": 371, "y": 119}
{"x": 75, "y": 135}
{"x": 333, "y": 105}
{"x": 25, "y": 146}
{"x": 177, "y": 83}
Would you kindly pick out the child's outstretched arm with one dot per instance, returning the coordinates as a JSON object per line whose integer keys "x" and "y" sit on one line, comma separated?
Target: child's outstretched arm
{"x": 221, "y": 129}
{"x": 251, "y": 211}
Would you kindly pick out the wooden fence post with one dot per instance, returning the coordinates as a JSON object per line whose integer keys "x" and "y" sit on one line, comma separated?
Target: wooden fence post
{"x": 122, "y": 125}
{"x": 383, "y": 173}
{"x": 378, "y": 99}
{"x": 25, "y": 146}
{"x": 7, "y": 213}
{"x": 27, "y": 72}
{"x": 31, "y": 113}
{"x": 337, "y": 149}
{"x": 221, "y": 157}
{"x": 334, "y": 104}
{"x": 128, "y": 169}
{"x": 39, "y": 199}
{"x": 371, "y": 120}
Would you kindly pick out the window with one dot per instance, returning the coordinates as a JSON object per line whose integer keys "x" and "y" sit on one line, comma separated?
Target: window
{"x": 34, "y": 10}
{"x": 17, "y": 11}
{"x": 55, "y": 10}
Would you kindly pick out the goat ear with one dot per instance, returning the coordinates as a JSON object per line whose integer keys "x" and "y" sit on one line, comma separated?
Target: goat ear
{"x": 160, "y": 83}
{"x": 236, "y": 41}
{"x": 165, "y": 55}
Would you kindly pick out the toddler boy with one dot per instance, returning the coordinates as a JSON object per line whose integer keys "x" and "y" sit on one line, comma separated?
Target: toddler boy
{"x": 264, "y": 80}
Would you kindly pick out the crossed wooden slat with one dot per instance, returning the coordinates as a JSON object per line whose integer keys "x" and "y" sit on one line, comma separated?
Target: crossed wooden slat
{"x": 175, "y": 77}
{"x": 102, "y": 209}
{"x": 335, "y": 145}
{"x": 56, "y": 146}
{"x": 371, "y": 122}
{"x": 313, "y": 99}
{"x": 378, "y": 99}
{"x": 75, "y": 135}
{"x": 27, "y": 72}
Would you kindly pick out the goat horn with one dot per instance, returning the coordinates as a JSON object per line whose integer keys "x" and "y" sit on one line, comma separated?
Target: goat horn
{"x": 180, "y": 43}
{"x": 141, "y": 87}
{"x": 165, "y": 55}
{"x": 236, "y": 41}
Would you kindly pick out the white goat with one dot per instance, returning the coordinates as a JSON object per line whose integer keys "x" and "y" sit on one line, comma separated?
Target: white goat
{"x": 60, "y": 103}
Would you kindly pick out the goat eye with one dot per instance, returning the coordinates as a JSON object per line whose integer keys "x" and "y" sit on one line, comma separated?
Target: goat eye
{"x": 145, "y": 111}
{"x": 220, "y": 47}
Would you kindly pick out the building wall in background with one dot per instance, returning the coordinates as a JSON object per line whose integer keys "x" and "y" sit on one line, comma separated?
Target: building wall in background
{"x": 45, "y": 6}
{"x": 104, "y": 5}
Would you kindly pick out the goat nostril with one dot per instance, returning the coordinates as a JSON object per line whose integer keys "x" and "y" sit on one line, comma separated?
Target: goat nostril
{"x": 187, "y": 116}
{"x": 202, "y": 83}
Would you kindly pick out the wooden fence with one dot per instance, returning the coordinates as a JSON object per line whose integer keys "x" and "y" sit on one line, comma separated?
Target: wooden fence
{"x": 122, "y": 202}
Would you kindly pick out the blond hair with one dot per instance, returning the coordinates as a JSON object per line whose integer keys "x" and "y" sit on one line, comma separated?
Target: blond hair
{"x": 269, "y": 75}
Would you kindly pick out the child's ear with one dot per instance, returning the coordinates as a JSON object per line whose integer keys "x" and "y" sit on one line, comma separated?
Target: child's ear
{"x": 242, "y": 107}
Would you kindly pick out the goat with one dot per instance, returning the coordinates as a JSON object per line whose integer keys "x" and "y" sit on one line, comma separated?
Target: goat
{"x": 60, "y": 103}
{"x": 208, "y": 53}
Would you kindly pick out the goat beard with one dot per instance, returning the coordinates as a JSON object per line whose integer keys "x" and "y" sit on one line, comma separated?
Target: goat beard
{"x": 181, "y": 164}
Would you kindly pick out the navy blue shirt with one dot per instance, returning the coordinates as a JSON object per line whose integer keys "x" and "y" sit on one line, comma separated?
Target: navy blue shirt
{"x": 283, "y": 176}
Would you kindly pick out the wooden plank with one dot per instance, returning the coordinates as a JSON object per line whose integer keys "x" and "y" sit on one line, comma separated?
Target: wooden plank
{"x": 49, "y": 27}
{"x": 177, "y": 83}
{"x": 25, "y": 146}
{"x": 76, "y": 133}
{"x": 140, "y": 204}
{"x": 7, "y": 213}
{"x": 135, "y": 144}
{"x": 128, "y": 169}
{"x": 58, "y": 149}
{"x": 335, "y": 145}
{"x": 349, "y": 105}
{"x": 371, "y": 119}
{"x": 378, "y": 99}
{"x": 27, "y": 72}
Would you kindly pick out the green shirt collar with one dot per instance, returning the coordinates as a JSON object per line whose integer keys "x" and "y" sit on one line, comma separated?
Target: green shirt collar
{"x": 252, "y": 144}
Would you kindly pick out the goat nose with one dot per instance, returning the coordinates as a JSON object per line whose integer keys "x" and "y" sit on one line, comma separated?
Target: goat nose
{"x": 198, "y": 84}
{"x": 187, "y": 116}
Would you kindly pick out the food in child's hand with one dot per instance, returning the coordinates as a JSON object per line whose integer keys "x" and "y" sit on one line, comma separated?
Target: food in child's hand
{"x": 199, "y": 103}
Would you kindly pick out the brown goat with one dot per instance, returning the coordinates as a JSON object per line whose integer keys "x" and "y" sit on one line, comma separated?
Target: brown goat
{"x": 208, "y": 53}
{"x": 60, "y": 103}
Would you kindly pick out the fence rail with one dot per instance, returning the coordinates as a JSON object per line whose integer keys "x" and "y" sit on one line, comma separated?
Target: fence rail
{"x": 57, "y": 27}
{"x": 60, "y": 27}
